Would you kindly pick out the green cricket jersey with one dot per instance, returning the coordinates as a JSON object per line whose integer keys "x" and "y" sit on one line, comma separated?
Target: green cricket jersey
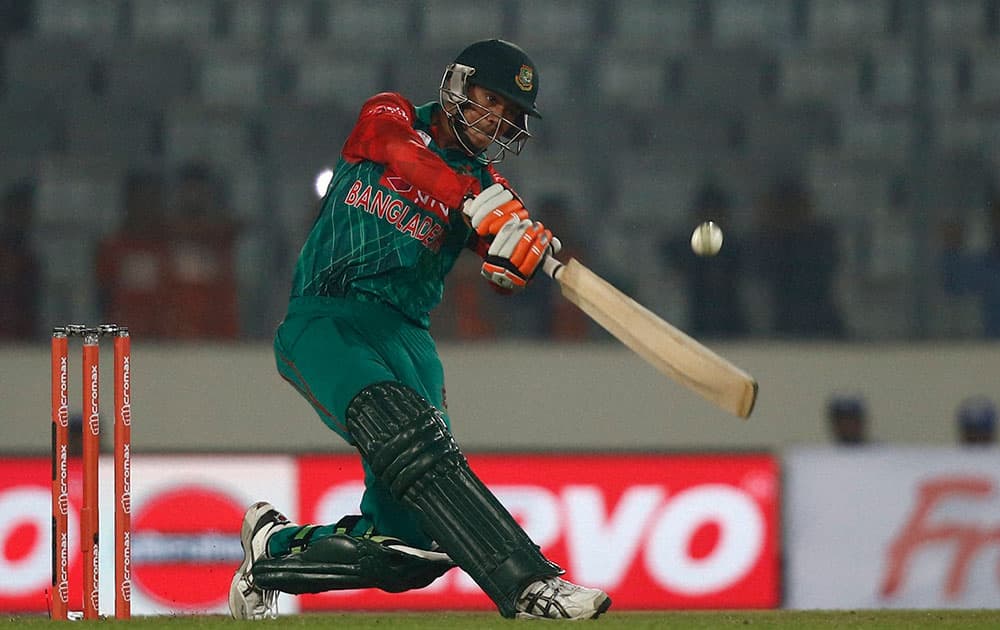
{"x": 377, "y": 236}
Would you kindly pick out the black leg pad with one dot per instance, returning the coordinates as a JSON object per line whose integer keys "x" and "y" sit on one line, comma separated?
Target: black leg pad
{"x": 407, "y": 444}
{"x": 342, "y": 562}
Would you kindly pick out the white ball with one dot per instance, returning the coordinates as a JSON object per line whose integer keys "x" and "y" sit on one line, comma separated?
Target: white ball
{"x": 706, "y": 240}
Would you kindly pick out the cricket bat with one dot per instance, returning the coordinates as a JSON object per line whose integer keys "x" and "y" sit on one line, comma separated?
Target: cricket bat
{"x": 664, "y": 346}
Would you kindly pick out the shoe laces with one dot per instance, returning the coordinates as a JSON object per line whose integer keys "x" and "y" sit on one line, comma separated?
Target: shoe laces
{"x": 545, "y": 599}
{"x": 269, "y": 604}
{"x": 267, "y": 608}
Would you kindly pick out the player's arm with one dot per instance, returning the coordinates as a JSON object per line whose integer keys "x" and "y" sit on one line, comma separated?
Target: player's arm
{"x": 384, "y": 134}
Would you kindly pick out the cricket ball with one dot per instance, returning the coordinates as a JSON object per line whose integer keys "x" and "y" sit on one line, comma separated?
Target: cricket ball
{"x": 706, "y": 240}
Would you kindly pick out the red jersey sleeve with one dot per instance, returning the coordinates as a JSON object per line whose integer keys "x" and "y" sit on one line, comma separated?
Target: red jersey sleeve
{"x": 500, "y": 179}
{"x": 384, "y": 134}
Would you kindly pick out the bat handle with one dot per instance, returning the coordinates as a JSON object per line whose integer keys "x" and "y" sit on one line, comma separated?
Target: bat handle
{"x": 551, "y": 266}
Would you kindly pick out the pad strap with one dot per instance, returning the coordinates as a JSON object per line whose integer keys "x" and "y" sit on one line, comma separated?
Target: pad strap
{"x": 302, "y": 538}
{"x": 408, "y": 445}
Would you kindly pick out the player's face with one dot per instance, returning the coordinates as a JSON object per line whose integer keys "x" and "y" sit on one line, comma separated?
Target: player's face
{"x": 489, "y": 115}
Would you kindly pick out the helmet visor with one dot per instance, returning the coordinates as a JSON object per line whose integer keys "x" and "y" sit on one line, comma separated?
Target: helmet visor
{"x": 473, "y": 122}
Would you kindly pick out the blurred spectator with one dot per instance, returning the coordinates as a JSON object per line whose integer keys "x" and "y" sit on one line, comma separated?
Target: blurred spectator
{"x": 713, "y": 283}
{"x": 978, "y": 273}
{"x": 848, "y": 419}
{"x": 545, "y": 313}
{"x": 977, "y": 420}
{"x": 19, "y": 267}
{"x": 169, "y": 272}
{"x": 797, "y": 257}
{"x": 465, "y": 312}
{"x": 131, "y": 264}
{"x": 201, "y": 299}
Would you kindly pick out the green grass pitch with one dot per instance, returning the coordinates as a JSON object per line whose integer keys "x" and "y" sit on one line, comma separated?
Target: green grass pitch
{"x": 700, "y": 620}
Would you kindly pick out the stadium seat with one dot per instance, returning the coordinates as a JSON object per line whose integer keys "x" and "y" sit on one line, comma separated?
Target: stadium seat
{"x": 29, "y": 131}
{"x": 368, "y": 26}
{"x": 846, "y": 187}
{"x": 89, "y": 19}
{"x": 455, "y": 24}
{"x": 652, "y": 191}
{"x": 842, "y": 24}
{"x": 781, "y": 136}
{"x": 149, "y": 76}
{"x": 306, "y": 138}
{"x": 956, "y": 22}
{"x": 177, "y": 20}
{"x": 681, "y": 128}
{"x": 986, "y": 76}
{"x": 951, "y": 77}
{"x": 671, "y": 182}
{"x": 78, "y": 195}
{"x": 560, "y": 24}
{"x": 622, "y": 80}
{"x": 297, "y": 22}
{"x": 245, "y": 21}
{"x": 727, "y": 76}
{"x": 14, "y": 170}
{"x": 196, "y": 132}
{"x": 892, "y": 75}
{"x": 231, "y": 75}
{"x": 970, "y": 132}
{"x": 652, "y": 26}
{"x": 873, "y": 134}
{"x": 332, "y": 76}
{"x": 118, "y": 133}
{"x": 742, "y": 22}
{"x": 571, "y": 128}
{"x": 958, "y": 181}
{"x": 831, "y": 77}
{"x": 50, "y": 72}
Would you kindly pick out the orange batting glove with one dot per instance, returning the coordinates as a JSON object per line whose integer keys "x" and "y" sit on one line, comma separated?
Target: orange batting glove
{"x": 488, "y": 211}
{"x": 516, "y": 252}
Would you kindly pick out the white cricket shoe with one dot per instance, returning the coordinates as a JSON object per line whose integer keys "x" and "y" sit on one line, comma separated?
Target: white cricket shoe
{"x": 246, "y": 600}
{"x": 555, "y": 598}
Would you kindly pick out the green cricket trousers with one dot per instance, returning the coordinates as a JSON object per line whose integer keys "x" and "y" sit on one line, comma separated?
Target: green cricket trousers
{"x": 330, "y": 349}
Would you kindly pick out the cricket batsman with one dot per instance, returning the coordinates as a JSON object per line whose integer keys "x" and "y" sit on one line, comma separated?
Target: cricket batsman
{"x": 414, "y": 187}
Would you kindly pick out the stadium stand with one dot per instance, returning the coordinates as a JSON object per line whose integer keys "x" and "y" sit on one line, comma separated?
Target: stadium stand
{"x": 746, "y": 89}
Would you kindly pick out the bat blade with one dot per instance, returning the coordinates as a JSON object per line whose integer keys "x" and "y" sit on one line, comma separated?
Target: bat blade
{"x": 664, "y": 346}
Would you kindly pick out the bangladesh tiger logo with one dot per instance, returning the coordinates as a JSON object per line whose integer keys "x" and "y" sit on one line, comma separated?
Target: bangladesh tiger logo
{"x": 525, "y": 78}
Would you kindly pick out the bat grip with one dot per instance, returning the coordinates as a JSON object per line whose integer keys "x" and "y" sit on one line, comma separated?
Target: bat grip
{"x": 551, "y": 266}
